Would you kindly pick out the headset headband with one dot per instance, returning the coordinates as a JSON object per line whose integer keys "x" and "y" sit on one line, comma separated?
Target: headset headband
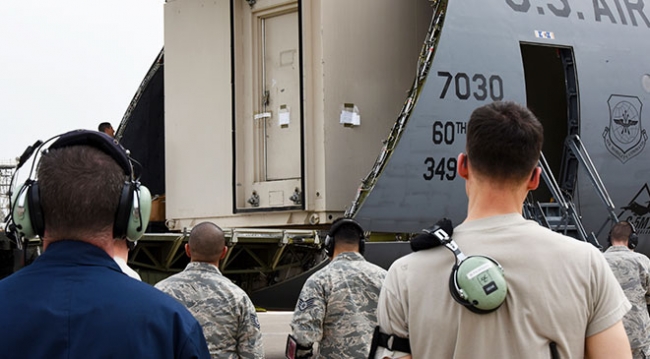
{"x": 97, "y": 140}
{"x": 336, "y": 226}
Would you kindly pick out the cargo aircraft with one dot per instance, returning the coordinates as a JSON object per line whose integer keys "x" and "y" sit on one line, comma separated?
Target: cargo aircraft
{"x": 273, "y": 117}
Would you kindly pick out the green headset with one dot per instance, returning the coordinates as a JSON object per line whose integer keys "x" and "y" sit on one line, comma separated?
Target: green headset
{"x": 133, "y": 210}
{"x": 476, "y": 282}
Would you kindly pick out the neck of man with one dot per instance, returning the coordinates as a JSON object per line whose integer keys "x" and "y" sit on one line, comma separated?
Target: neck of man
{"x": 619, "y": 244}
{"x": 493, "y": 198}
{"x": 121, "y": 250}
{"x": 216, "y": 264}
{"x": 102, "y": 240}
{"x": 338, "y": 249}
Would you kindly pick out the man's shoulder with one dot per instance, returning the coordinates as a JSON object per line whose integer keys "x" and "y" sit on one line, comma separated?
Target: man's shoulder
{"x": 371, "y": 268}
{"x": 153, "y": 300}
{"x": 153, "y": 296}
{"x": 425, "y": 256}
{"x": 200, "y": 282}
{"x": 192, "y": 275}
{"x": 103, "y": 284}
{"x": 319, "y": 275}
{"x": 173, "y": 280}
{"x": 532, "y": 235}
{"x": 374, "y": 267}
{"x": 144, "y": 303}
{"x": 643, "y": 259}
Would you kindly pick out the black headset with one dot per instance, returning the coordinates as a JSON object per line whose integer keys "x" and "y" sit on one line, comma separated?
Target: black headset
{"x": 133, "y": 210}
{"x": 328, "y": 246}
{"x": 632, "y": 239}
{"x": 476, "y": 282}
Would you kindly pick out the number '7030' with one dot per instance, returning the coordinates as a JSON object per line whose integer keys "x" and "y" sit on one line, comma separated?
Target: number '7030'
{"x": 480, "y": 86}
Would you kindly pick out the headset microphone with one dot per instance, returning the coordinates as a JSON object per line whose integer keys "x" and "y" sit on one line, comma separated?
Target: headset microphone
{"x": 427, "y": 239}
{"x": 28, "y": 153}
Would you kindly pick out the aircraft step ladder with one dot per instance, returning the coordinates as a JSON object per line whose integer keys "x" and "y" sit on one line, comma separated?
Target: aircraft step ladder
{"x": 574, "y": 143}
{"x": 561, "y": 215}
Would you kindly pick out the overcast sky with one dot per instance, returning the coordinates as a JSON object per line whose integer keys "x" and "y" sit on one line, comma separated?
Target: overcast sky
{"x": 71, "y": 64}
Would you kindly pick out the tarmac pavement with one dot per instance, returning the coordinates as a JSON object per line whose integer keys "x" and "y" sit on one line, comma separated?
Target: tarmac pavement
{"x": 275, "y": 328}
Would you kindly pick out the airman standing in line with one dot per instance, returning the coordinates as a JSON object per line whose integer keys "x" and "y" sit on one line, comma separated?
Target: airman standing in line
{"x": 227, "y": 315}
{"x": 337, "y": 305}
{"x": 632, "y": 270}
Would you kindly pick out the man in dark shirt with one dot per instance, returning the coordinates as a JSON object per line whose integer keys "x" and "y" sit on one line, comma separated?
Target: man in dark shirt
{"x": 74, "y": 301}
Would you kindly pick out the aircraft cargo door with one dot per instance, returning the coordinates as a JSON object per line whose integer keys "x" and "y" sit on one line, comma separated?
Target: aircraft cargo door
{"x": 552, "y": 95}
{"x": 268, "y": 127}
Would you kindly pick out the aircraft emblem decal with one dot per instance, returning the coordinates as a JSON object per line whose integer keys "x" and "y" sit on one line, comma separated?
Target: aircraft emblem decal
{"x": 624, "y": 138}
{"x": 637, "y": 211}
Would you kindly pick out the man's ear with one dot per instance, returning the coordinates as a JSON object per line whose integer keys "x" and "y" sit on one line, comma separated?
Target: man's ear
{"x": 223, "y": 253}
{"x": 462, "y": 165}
{"x": 188, "y": 253}
{"x": 533, "y": 181}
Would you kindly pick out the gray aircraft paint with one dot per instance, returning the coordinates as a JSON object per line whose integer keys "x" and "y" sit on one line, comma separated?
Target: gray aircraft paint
{"x": 612, "y": 52}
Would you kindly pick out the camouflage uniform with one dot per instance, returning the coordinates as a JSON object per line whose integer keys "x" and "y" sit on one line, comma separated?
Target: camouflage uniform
{"x": 632, "y": 270}
{"x": 337, "y": 307}
{"x": 225, "y": 312}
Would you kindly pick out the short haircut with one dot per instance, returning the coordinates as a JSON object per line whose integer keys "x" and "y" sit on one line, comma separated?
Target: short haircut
{"x": 80, "y": 188}
{"x": 206, "y": 242}
{"x": 347, "y": 233}
{"x": 620, "y": 232}
{"x": 104, "y": 126}
{"x": 504, "y": 141}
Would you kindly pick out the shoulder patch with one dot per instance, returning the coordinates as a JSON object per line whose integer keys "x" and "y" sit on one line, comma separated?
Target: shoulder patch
{"x": 305, "y": 304}
{"x": 255, "y": 320}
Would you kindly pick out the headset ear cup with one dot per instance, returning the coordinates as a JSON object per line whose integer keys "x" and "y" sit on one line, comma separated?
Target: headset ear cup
{"x": 35, "y": 209}
{"x": 123, "y": 212}
{"x": 483, "y": 283}
{"x": 457, "y": 296}
{"x": 453, "y": 288}
{"x": 362, "y": 246}
{"x": 20, "y": 212}
{"x": 633, "y": 239}
{"x": 633, "y": 242}
{"x": 328, "y": 246}
{"x": 139, "y": 213}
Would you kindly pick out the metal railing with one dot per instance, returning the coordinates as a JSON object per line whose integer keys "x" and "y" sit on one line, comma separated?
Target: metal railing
{"x": 569, "y": 217}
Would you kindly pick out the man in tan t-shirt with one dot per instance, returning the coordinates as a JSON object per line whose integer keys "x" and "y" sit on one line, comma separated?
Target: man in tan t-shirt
{"x": 562, "y": 299}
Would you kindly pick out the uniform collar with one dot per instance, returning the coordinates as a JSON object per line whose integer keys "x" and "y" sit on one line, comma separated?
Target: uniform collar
{"x": 202, "y": 267}
{"x": 349, "y": 256}
{"x": 69, "y": 252}
{"x": 507, "y": 219}
{"x": 618, "y": 249}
